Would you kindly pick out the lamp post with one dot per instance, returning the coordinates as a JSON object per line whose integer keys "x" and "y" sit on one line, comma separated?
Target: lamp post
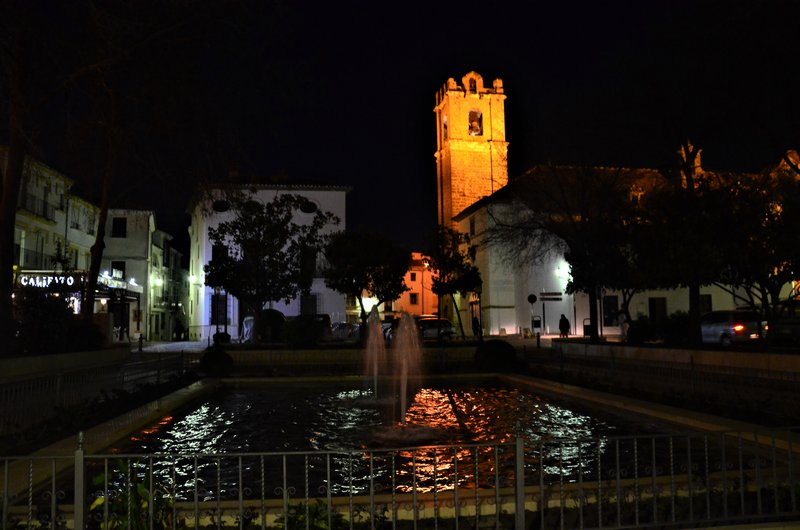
{"x": 425, "y": 265}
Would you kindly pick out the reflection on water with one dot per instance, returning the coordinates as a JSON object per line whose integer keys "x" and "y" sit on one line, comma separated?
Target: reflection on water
{"x": 253, "y": 419}
{"x": 347, "y": 420}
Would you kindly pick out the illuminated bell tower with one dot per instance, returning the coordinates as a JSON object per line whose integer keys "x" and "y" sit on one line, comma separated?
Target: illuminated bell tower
{"x": 472, "y": 152}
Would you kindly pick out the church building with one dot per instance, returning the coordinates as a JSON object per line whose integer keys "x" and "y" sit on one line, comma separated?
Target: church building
{"x": 473, "y": 192}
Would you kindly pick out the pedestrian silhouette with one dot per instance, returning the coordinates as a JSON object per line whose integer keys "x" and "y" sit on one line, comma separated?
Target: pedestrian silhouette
{"x": 563, "y": 326}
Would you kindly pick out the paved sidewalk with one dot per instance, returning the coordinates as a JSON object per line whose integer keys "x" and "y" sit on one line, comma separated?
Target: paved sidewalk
{"x": 171, "y": 347}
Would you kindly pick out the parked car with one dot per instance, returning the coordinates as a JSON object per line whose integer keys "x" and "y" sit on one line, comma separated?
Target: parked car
{"x": 732, "y": 326}
{"x": 344, "y": 330}
{"x": 436, "y": 328}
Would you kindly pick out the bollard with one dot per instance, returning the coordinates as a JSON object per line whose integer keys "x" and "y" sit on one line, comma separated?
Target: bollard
{"x": 79, "y": 485}
{"x": 538, "y": 340}
{"x": 141, "y": 342}
{"x": 519, "y": 483}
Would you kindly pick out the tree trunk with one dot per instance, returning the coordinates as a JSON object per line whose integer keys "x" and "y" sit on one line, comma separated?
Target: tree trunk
{"x": 695, "y": 336}
{"x": 87, "y": 304}
{"x": 12, "y": 178}
{"x": 458, "y": 315}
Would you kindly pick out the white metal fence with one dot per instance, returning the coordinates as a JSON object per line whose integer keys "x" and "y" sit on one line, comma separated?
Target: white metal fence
{"x": 611, "y": 482}
{"x": 38, "y": 398}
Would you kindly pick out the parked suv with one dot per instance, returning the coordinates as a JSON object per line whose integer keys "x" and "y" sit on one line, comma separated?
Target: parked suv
{"x": 436, "y": 328}
{"x": 733, "y": 326}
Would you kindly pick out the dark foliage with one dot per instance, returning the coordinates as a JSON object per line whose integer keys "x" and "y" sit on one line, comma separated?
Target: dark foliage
{"x": 271, "y": 326}
{"x": 216, "y": 362}
{"x": 304, "y": 331}
{"x": 365, "y": 262}
{"x": 47, "y": 325}
{"x": 496, "y": 356}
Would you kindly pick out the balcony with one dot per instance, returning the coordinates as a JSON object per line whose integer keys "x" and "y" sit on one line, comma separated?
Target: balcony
{"x": 31, "y": 259}
{"x": 75, "y": 225}
{"x": 38, "y": 206}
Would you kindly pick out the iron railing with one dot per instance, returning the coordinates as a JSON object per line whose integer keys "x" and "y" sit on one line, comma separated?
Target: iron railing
{"x": 32, "y": 401}
{"x": 664, "y": 481}
{"x": 32, "y": 259}
{"x": 38, "y": 206}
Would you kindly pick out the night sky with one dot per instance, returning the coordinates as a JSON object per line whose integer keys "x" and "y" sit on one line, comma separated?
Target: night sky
{"x": 343, "y": 92}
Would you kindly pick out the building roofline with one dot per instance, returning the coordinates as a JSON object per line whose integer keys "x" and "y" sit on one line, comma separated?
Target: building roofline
{"x": 202, "y": 191}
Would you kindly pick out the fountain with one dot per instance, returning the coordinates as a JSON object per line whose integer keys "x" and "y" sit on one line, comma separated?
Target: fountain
{"x": 405, "y": 374}
{"x": 376, "y": 349}
{"x": 407, "y": 356}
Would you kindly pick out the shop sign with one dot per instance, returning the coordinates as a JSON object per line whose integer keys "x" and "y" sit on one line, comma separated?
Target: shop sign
{"x": 49, "y": 281}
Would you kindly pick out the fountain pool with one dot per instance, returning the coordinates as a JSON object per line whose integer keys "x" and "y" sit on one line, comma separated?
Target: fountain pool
{"x": 339, "y": 416}
{"x": 334, "y": 435}
{"x": 392, "y": 430}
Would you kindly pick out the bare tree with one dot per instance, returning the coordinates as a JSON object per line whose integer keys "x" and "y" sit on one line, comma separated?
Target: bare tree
{"x": 578, "y": 212}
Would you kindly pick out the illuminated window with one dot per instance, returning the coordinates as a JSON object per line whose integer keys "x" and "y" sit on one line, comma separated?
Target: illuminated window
{"x": 475, "y": 123}
{"x": 118, "y": 266}
{"x": 119, "y": 227}
{"x": 413, "y": 299}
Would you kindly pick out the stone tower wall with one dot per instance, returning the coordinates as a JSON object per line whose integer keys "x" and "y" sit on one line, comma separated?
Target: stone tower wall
{"x": 472, "y": 149}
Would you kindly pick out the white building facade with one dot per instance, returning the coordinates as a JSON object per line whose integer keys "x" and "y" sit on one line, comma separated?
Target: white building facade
{"x": 209, "y": 311}
{"x": 507, "y": 288}
{"x": 127, "y": 269}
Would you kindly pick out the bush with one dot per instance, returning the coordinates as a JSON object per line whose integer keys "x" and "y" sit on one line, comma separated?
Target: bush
{"x": 46, "y": 324}
{"x": 676, "y": 330}
{"x": 304, "y": 331}
{"x": 221, "y": 337}
{"x": 496, "y": 356}
{"x": 84, "y": 335}
{"x": 639, "y": 331}
{"x": 216, "y": 361}
{"x": 270, "y": 326}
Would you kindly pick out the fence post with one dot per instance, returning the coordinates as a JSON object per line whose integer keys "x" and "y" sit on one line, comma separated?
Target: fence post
{"x": 80, "y": 485}
{"x": 519, "y": 483}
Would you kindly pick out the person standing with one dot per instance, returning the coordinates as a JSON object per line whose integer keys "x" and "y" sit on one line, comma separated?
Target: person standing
{"x": 563, "y": 326}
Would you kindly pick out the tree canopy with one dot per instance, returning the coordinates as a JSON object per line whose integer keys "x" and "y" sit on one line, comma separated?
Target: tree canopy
{"x": 265, "y": 254}
{"x": 584, "y": 213}
{"x": 361, "y": 262}
{"x": 637, "y": 229}
{"x": 450, "y": 257}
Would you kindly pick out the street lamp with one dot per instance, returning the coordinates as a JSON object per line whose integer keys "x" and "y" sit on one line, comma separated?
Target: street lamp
{"x": 425, "y": 265}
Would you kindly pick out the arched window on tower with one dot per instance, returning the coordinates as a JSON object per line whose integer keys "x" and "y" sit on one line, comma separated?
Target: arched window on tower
{"x": 444, "y": 127}
{"x": 473, "y": 86}
{"x": 475, "y": 123}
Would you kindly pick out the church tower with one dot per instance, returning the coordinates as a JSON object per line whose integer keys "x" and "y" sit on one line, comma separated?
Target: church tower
{"x": 472, "y": 152}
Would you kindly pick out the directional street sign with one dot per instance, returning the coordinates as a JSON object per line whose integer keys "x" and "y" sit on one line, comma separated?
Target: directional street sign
{"x": 551, "y": 296}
